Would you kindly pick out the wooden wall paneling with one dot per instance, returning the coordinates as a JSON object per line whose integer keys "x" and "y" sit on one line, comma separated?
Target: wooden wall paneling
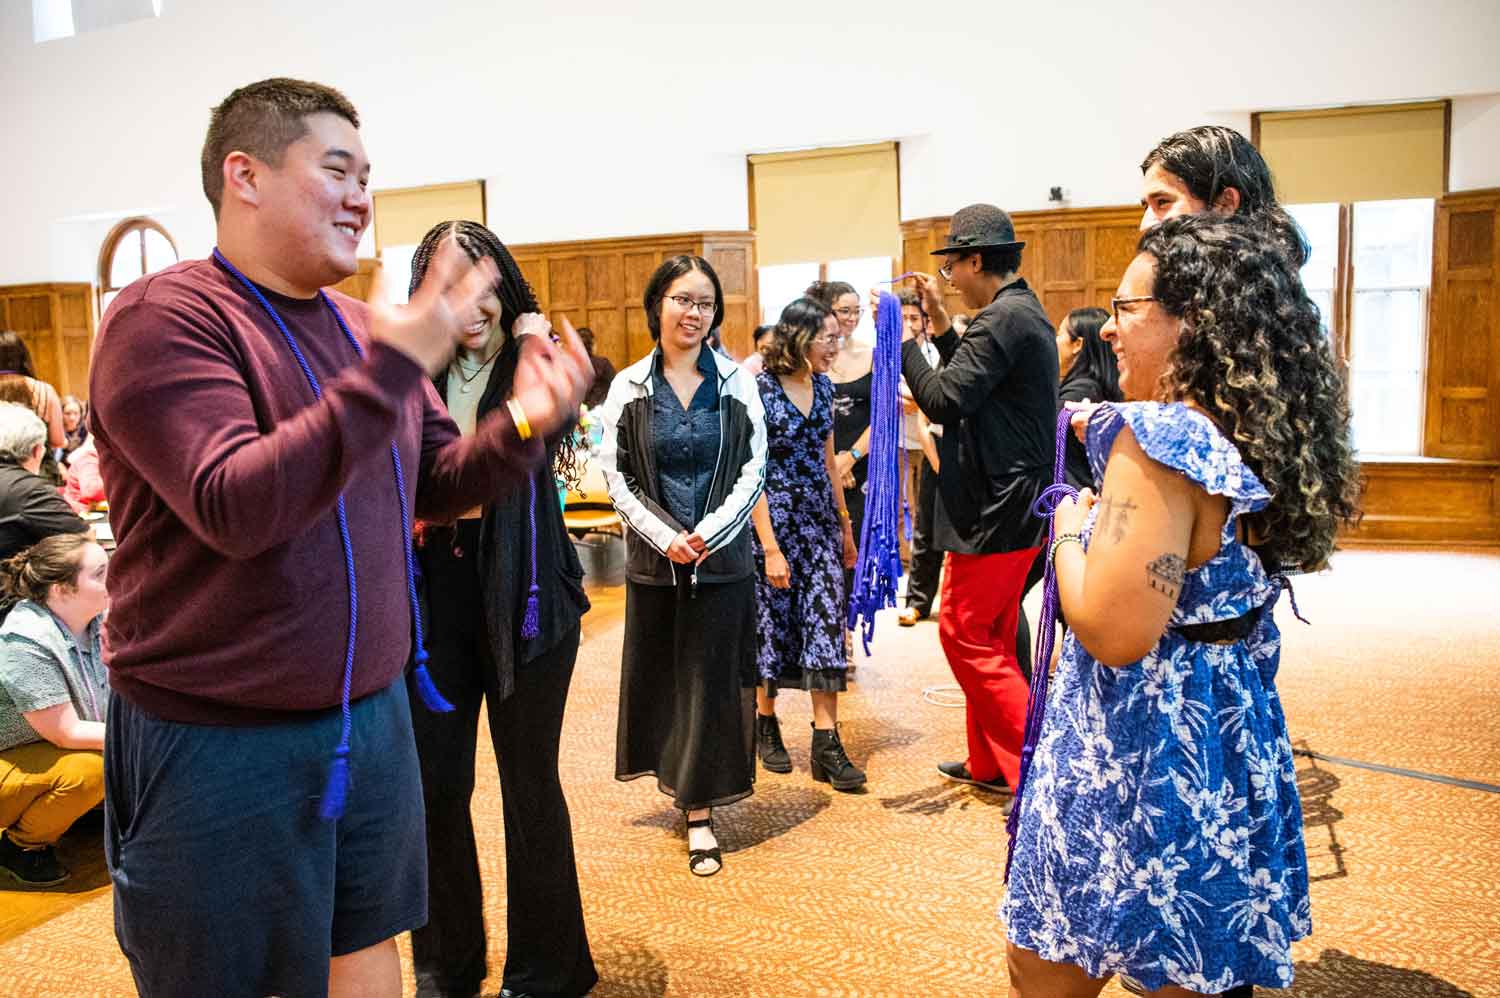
{"x": 1463, "y": 362}
{"x": 733, "y": 258}
{"x": 56, "y": 322}
{"x": 1429, "y": 501}
{"x": 600, "y": 283}
{"x": 361, "y": 283}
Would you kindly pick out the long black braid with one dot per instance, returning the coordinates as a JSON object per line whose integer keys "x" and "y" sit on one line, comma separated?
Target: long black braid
{"x": 516, "y": 299}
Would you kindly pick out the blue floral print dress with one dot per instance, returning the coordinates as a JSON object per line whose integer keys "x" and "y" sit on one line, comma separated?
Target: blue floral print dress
{"x": 1161, "y": 831}
{"x": 801, "y": 628}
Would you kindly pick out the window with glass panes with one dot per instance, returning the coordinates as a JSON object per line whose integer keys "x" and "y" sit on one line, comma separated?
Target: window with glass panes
{"x": 1370, "y": 273}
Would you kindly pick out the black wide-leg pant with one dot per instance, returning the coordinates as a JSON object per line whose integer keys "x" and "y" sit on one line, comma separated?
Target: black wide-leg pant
{"x": 547, "y": 949}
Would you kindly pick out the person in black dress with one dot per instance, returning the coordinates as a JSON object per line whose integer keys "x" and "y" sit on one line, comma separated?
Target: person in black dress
{"x": 853, "y": 376}
{"x": 804, "y": 542}
{"x": 479, "y": 574}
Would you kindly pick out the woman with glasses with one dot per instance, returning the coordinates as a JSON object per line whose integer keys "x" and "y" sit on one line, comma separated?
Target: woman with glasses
{"x": 684, "y": 455}
{"x": 481, "y": 574}
{"x": 804, "y": 543}
{"x": 852, "y": 375}
{"x": 1160, "y": 832}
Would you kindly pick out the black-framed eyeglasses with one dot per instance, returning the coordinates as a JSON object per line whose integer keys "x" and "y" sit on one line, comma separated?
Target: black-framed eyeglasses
{"x": 1115, "y": 303}
{"x": 687, "y": 304}
{"x": 849, "y": 313}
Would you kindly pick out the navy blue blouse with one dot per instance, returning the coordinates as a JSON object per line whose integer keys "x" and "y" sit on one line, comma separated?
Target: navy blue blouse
{"x": 687, "y": 441}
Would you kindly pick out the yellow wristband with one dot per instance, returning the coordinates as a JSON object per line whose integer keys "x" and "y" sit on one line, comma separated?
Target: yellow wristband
{"x": 518, "y": 416}
{"x": 843, "y": 514}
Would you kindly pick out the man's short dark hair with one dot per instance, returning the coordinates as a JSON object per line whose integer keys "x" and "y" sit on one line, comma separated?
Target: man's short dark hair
{"x": 1000, "y": 261}
{"x": 910, "y": 299}
{"x": 262, "y": 119}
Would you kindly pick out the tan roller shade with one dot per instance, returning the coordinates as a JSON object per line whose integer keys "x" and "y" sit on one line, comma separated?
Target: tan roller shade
{"x": 1357, "y": 153}
{"x": 403, "y": 216}
{"x": 825, "y": 204}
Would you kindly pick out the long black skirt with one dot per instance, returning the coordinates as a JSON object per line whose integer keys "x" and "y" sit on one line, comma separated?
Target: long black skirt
{"x": 687, "y": 691}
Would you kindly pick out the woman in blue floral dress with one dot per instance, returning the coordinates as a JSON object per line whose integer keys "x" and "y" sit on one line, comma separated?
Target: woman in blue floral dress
{"x": 803, "y": 542}
{"x": 1160, "y": 833}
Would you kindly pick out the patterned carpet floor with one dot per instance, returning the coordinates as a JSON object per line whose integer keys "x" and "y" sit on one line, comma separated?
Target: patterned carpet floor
{"x": 893, "y": 891}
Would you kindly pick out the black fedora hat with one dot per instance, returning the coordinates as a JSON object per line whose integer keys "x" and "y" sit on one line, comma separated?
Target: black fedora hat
{"x": 979, "y": 227}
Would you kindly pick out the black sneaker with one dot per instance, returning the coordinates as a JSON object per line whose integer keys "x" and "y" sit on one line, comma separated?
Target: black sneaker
{"x": 958, "y": 772}
{"x": 32, "y": 867}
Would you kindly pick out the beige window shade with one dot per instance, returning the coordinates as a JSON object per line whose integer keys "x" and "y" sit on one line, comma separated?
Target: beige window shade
{"x": 825, "y": 204}
{"x": 1357, "y": 153}
{"x": 403, "y": 216}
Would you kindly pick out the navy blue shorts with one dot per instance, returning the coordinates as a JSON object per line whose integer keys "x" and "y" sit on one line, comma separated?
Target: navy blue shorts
{"x": 227, "y": 882}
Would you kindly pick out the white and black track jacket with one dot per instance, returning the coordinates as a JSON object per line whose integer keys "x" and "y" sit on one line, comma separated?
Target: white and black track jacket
{"x": 628, "y": 454}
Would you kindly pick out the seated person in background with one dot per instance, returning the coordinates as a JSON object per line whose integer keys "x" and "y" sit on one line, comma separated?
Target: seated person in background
{"x": 604, "y": 371}
{"x": 83, "y": 486}
{"x": 30, "y": 506}
{"x": 53, "y": 701}
{"x": 19, "y": 384}
{"x": 75, "y": 416}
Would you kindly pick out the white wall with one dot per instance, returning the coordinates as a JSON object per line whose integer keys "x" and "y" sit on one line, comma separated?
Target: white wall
{"x": 629, "y": 118}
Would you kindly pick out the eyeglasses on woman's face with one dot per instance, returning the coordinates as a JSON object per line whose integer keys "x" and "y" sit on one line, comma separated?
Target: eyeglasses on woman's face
{"x": 687, "y": 305}
{"x": 1115, "y": 303}
{"x": 849, "y": 313}
{"x": 826, "y": 340}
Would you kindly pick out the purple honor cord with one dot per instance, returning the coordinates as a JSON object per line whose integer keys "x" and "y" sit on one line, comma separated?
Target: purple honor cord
{"x": 878, "y": 569}
{"x": 336, "y": 790}
{"x": 1036, "y": 705}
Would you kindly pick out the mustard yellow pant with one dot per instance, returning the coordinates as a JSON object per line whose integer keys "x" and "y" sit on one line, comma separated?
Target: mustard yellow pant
{"x": 44, "y": 789}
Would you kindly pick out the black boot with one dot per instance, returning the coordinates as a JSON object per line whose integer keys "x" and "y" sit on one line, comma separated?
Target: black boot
{"x": 830, "y": 764}
{"x": 769, "y": 744}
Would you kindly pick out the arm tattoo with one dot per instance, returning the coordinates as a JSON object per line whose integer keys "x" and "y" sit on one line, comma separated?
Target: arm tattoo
{"x": 1114, "y": 514}
{"x": 1166, "y": 573}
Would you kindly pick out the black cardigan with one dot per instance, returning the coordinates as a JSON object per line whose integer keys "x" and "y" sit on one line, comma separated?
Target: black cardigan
{"x": 505, "y": 551}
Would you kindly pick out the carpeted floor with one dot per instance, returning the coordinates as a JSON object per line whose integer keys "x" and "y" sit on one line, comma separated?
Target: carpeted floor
{"x": 894, "y": 891}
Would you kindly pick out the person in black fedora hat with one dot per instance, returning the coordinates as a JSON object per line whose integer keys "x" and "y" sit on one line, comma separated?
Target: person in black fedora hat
{"x": 996, "y": 397}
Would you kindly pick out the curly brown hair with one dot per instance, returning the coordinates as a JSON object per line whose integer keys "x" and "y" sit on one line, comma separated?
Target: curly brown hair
{"x": 801, "y": 322}
{"x": 1253, "y": 356}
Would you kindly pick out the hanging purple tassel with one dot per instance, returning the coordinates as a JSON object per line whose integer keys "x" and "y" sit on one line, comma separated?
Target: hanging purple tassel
{"x": 426, "y": 688}
{"x": 878, "y": 569}
{"x": 336, "y": 790}
{"x": 531, "y": 624}
{"x": 1036, "y": 706}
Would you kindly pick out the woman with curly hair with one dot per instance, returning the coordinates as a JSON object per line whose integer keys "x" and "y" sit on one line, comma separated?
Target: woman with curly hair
{"x": 504, "y": 594}
{"x": 804, "y": 543}
{"x": 1160, "y": 835}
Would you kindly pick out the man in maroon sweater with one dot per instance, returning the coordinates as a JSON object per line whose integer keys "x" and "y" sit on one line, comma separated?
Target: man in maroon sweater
{"x": 267, "y": 444}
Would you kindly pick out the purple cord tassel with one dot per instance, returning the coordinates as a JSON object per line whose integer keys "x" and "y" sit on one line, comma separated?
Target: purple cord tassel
{"x": 878, "y": 569}
{"x": 426, "y": 688}
{"x": 1036, "y": 706}
{"x": 531, "y": 623}
{"x": 336, "y": 790}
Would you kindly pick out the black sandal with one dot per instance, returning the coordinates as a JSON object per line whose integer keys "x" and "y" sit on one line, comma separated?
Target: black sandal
{"x": 699, "y": 858}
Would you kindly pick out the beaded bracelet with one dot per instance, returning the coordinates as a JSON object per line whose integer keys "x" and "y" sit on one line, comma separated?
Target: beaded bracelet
{"x": 1059, "y": 541}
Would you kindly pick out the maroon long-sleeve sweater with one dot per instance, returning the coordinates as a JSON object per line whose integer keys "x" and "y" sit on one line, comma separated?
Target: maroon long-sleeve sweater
{"x": 229, "y": 600}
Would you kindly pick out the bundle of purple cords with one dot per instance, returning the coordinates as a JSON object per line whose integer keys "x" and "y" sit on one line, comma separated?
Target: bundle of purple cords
{"x": 1036, "y": 707}
{"x": 878, "y": 569}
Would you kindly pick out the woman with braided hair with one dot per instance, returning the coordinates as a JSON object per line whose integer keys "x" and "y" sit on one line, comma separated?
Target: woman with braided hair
{"x": 504, "y": 597}
{"x": 1160, "y": 832}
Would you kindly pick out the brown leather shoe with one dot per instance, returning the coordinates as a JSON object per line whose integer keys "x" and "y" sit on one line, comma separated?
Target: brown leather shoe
{"x": 909, "y": 617}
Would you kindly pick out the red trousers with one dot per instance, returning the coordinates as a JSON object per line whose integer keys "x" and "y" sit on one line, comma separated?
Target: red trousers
{"x": 980, "y": 602}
